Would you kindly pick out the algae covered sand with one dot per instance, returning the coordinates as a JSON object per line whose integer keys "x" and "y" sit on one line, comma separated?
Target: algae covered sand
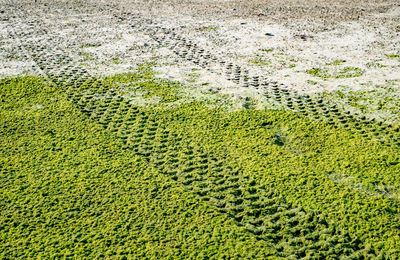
{"x": 199, "y": 129}
{"x": 87, "y": 172}
{"x": 69, "y": 189}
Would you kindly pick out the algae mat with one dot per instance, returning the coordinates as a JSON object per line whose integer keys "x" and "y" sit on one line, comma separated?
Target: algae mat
{"x": 88, "y": 172}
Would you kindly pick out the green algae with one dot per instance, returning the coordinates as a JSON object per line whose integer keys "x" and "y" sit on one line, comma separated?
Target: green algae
{"x": 70, "y": 190}
{"x": 260, "y": 61}
{"x": 206, "y": 28}
{"x": 118, "y": 177}
{"x": 346, "y": 72}
{"x": 336, "y": 62}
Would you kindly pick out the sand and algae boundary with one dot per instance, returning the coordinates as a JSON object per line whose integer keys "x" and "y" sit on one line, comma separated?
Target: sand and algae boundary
{"x": 319, "y": 179}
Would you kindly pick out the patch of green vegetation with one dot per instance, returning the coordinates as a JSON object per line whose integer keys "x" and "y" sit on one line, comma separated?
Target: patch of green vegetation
{"x": 340, "y": 94}
{"x": 346, "y": 72}
{"x": 362, "y": 107}
{"x": 143, "y": 82}
{"x": 86, "y": 55}
{"x": 206, "y": 28}
{"x": 154, "y": 58}
{"x": 393, "y": 56}
{"x": 375, "y": 65}
{"x": 116, "y": 60}
{"x": 268, "y": 50}
{"x": 312, "y": 82}
{"x": 318, "y": 72}
{"x": 260, "y": 61}
{"x": 349, "y": 72}
{"x": 250, "y": 103}
{"x": 194, "y": 75}
{"x": 336, "y": 62}
{"x": 132, "y": 187}
{"x": 166, "y": 92}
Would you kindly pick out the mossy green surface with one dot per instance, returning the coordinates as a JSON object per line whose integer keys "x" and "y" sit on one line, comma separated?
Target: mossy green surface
{"x": 146, "y": 183}
{"x": 393, "y": 56}
{"x": 206, "y": 28}
{"x": 260, "y": 61}
{"x": 267, "y": 50}
{"x": 69, "y": 190}
{"x": 336, "y": 62}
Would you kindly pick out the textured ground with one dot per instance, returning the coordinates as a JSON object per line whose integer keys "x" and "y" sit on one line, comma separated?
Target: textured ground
{"x": 346, "y": 48}
{"x": 275, "y": 123}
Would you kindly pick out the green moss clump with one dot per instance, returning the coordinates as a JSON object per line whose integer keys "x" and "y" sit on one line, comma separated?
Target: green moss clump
{"x": 116, "y": 60}
{"x": 346, "y": 72}
{"x": 206, "y": 28}
{"x": 312, "y": 82}
{"x": 318, "y": 72}
{"x": 393, "y": 56}
{"x": 268, "y": 50}
{"x": 260, "y": 61}
{"x": 349, "y": 72}
{"x": 375, "y": 65}
{"x": 336, "y": 62}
